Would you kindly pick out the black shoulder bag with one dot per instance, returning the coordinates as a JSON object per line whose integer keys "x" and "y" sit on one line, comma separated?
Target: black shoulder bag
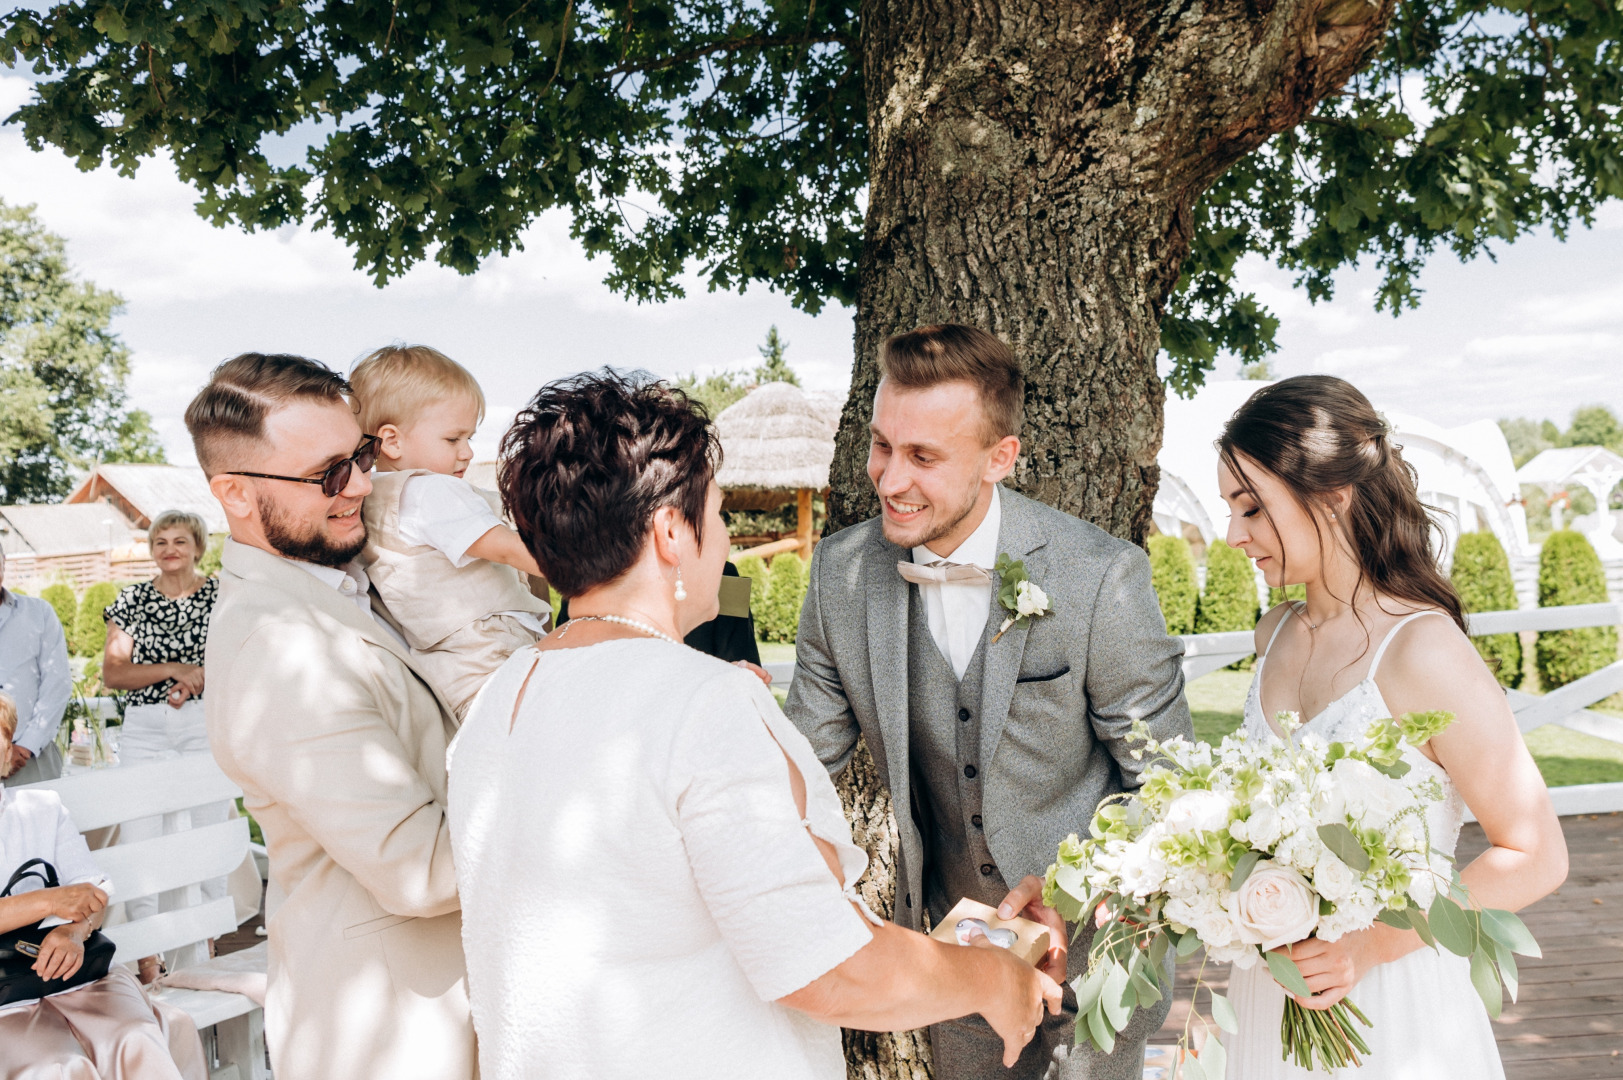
{"x": 19, "y": 949}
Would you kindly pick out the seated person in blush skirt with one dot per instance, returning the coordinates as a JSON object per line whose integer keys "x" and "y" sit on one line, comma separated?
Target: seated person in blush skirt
{"x": 656, "y": 875}
{"x": 103, "y": 1030}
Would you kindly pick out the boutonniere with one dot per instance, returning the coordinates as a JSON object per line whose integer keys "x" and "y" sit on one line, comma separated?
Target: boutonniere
{"x": 1023, "y": 598}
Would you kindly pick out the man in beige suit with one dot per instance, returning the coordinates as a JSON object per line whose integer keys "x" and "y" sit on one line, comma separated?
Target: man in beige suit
{"x": 338, "y": 744}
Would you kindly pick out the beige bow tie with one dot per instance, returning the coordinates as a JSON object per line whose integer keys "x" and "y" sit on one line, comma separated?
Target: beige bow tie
{"x": 941, "y": 572}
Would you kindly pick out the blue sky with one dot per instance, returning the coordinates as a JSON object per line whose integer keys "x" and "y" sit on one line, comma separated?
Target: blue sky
{"x": 1538, "y": 333}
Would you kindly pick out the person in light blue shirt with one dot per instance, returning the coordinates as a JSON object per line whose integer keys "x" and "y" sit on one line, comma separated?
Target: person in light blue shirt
{"x": 34, "y": 671}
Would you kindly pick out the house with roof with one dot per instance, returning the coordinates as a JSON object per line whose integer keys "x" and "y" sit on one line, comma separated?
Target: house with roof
{"x": 142, "y": 492}
{"x": 80, "y": 545}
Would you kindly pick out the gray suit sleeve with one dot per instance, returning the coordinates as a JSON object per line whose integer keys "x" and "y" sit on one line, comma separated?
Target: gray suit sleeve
{"x": 817, "y": 703}
{"x": 1135, "y": 670}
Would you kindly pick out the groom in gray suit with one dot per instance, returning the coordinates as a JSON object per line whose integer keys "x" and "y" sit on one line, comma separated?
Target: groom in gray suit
{"x": 996, "y": 743}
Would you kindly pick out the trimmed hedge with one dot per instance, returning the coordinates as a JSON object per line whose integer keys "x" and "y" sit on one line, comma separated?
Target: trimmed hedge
{"x": 1229, "y": 601}
{"x": 754, "y": 568}
{"x": 1172, "y": 572}
{"x": 66, "y": 605}
{"x": 1569, "y": 572}
{"x": 89, "y": 628}
{"x": 786, "y": 592}
{"x": 1481, "y": 575}
{"x": 1289, "y": 592}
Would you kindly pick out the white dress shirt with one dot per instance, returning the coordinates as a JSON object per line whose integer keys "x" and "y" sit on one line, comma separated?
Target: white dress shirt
{"x": 351, "y": 583}
{"x": 34, "y": 668}
{"x": 957, "y": 611}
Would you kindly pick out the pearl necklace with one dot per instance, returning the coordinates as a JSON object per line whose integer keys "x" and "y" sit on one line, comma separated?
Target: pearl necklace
{"x": 620, "y": 620}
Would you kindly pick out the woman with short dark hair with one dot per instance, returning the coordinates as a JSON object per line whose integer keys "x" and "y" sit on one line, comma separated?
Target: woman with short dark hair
{"x": 611, "y": 759}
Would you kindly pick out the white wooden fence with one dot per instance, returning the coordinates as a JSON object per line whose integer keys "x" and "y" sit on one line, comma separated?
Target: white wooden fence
{"x": 1567, "y": 707}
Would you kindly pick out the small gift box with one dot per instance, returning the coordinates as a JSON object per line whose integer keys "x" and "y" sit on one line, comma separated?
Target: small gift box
{"x": 968, "y": 920}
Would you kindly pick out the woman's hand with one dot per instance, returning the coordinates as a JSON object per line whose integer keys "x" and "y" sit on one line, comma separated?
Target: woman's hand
{"x": 190, "y": 676}
{"x": 62, "y": 952}
{"x": 1333, "y": 968}
{"x": 1019, "y": 995}
{"x": 75, "y": 903}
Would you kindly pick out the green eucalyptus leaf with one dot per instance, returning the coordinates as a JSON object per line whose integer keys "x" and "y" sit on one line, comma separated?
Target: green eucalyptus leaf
{"x": 1286, "y": 973}
{"x": 1508, "y": 929}
{"x": 1417, "y": 920}
{"x": 1158, "y": 949}
{"x": 1223, "y": 1013}
{"x": 1088, "y": 987}
{"x": 1451, "y": 926}
{"x": 1340, "y": 840}
{"x": 1395, "y": 918}
{"x": 1509, "y": 974}
{"x": 1104, "y": 1036}
{"x": 1242, "y": 869}
{"x": 1188, "y": 944}
{"x": 1213, "y": 1059}
{"x": 1113, "y": 998}
{"x": 1486, "y": 981}
{"x": 1146, "y": 991}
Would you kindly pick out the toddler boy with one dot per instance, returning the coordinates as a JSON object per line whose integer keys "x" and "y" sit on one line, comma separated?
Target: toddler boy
{"x": 437, "y": 550}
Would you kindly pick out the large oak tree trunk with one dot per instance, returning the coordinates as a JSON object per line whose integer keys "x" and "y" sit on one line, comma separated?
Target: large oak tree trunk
{"x": 1033, "y": 165}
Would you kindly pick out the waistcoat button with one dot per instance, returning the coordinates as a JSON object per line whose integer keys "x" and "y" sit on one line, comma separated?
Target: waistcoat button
{"x": 975, "y": 820}
{"x": 963, "y": 714}
{"x": 969, "y": 771}
{"x": 986, "y": 869}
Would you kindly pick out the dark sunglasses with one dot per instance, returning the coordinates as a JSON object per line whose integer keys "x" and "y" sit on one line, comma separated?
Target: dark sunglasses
{"x": 336, "y": 478}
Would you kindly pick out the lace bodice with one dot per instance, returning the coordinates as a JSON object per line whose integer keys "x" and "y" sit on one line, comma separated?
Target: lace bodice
{"x": 1347, "y": 718}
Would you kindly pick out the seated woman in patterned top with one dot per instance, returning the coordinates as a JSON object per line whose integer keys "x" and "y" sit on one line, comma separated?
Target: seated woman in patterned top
{"x": 155, "y": 635}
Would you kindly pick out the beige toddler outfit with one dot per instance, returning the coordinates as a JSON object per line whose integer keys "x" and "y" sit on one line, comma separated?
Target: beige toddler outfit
{"x": 461, "y": 616}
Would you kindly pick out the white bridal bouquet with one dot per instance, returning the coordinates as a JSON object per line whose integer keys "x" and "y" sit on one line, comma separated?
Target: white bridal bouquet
{"x": 1258, "y": 844}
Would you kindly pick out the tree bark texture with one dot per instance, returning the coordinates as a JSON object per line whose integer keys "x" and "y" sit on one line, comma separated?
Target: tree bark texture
{"x": 1033, "y": 168}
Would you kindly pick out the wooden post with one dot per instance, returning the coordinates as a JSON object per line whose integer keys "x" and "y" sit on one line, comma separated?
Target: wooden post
{"x": 803, "y": 521}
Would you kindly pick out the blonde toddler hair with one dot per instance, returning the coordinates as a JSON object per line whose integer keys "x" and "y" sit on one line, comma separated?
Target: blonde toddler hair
{"x": 395, "y": 383}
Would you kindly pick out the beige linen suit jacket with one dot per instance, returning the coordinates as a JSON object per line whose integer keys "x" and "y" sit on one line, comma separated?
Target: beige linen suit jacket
{"x": 339, "y": 746}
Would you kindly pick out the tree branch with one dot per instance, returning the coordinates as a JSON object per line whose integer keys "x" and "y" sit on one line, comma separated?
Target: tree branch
{"x": 754, "y": 41}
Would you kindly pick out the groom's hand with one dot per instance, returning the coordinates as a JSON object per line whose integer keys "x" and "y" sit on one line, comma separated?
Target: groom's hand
{"x": 1026, "y": 901}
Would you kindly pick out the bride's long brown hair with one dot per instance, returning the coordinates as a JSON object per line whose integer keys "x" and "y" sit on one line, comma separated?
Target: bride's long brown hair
{"x": 1318, "y": 434}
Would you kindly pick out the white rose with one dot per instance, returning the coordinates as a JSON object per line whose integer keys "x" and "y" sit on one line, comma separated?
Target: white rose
{"x": 1422, "y": 890}
{"x": 1029, "y": 599}
{"x": 1274, "y": 906}
{"x": 1142, "y": 869}
{"x": 1263, "y": 825}
{"x": 1333, "y": 879}
{"x": 1370, "y": 797}
{"x": 1198, "y": 811}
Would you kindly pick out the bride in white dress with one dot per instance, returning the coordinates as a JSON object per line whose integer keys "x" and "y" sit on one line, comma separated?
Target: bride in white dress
{"x": 1321, "y": 497}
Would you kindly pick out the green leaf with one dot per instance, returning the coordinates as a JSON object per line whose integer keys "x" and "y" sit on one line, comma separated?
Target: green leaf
{"x": 1242, "y": 869}
{"x": 1486, "y": 981}
{"x": 1508, "y": 972}
{"x": 1286, "y": 973}
{"x": 1340, "y": 839}
{"x": 1505, "y": 927}
{"x": 1223, "y": 1013}
{"x": 1104, "y": 1036}
{"x": 1188, "y": 944}
{"x": 1452, "y": 927}
{"x": 1158, "y": 949}
{"x": 1213, "y": 1059}
{"x": 1398, "y": 919}
{"x": 1145, "y": 990}
{"x": 1114, "y": 998}
{"x": 1087, "y": 988}
{"x": 1417, "y": 920}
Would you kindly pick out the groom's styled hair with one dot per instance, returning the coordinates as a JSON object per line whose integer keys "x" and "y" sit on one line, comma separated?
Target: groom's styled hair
{"x": 951, "y": 352}
{"x": 227, "y": 417}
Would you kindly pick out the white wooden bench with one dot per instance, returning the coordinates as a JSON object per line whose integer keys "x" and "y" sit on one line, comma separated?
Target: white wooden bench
{"x": 231, "y": 1024}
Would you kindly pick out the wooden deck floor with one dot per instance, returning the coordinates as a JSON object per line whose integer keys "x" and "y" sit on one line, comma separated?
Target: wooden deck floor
{"x": 1568, "y": 1024}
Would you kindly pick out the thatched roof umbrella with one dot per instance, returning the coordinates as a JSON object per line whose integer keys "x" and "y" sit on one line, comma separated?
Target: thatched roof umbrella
{"x": 776, "y": 445}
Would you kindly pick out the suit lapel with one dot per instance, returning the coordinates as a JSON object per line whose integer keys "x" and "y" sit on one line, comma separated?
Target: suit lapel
{"x": 254, "y": 564}
{"x": 887, "y": 659}
{"x": 1018, "y": 537}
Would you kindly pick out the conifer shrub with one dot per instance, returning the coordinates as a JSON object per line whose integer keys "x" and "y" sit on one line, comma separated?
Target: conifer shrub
{"x": 89, "y": 628}
{"x": 1172, "y": 572}
{"x": 1569, "y": 572}
{"x": 1229, "y": 601}
{"x": 785, "y": 595}
{"x": 1289, "y": 592}
{"x": 1481, "y": 575}
{"x": 64, "y": 603}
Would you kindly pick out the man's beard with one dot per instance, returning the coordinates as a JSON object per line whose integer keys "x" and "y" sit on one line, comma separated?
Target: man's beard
{"x": 312, "y": 545}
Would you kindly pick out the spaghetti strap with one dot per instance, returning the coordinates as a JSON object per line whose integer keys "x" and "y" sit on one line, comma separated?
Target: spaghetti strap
{"x": 1390, "y": 634}
{"x": 1280, "y": 625}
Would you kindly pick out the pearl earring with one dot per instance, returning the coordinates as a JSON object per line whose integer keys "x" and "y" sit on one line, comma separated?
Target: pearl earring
{"x": 681, "y": 591}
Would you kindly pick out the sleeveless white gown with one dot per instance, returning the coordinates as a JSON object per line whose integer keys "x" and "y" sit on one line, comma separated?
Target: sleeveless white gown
{"x": 1427, "y": 1021}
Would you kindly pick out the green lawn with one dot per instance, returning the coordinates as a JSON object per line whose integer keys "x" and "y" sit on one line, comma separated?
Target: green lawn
{"x": 1565, "y": 757}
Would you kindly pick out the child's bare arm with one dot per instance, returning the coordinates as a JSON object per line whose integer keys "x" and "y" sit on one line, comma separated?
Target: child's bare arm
{"x": 501, "y": 544}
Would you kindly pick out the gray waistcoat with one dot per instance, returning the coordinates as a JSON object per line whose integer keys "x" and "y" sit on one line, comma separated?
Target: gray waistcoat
{"x": 944, "y": 738}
